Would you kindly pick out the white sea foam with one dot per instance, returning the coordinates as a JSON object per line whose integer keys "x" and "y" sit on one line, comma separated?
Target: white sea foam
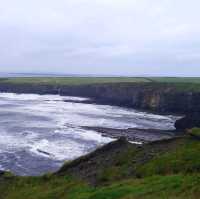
{"x": 2, "y": 168}
{"x": 84, "y": 114}
{"x": 15, "y": 96}
{"x": 138, "y": 143}
{"x": 60, "y": 150}
{"x": 46, "y": 125}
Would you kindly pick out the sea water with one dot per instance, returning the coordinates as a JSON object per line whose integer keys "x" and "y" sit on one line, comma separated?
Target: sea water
{"x": 38, "y": 133}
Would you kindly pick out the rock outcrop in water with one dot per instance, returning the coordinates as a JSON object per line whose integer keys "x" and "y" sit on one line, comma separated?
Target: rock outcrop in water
{"x": 135, "y": 135}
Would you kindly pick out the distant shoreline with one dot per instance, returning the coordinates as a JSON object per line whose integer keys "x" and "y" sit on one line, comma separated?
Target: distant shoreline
{"x": 24, "y": 74}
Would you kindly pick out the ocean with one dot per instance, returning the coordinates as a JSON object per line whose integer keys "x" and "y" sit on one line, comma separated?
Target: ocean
{"x": 38, "y": 133}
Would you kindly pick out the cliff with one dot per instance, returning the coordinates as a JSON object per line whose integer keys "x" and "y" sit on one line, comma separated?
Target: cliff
{"x": 158, "y": 97}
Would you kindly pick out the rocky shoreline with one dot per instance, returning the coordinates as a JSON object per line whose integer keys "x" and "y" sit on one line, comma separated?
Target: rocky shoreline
{"x": 135, "y": 135}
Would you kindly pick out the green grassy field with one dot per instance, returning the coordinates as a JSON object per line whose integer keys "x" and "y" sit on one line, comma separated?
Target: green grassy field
{"x": 95, "y": 80}
{"x": 174, "y": 174}
{"x": 183, "y": 83}
{"x": 176, "y": 79}
{"x": 73, "y": 80}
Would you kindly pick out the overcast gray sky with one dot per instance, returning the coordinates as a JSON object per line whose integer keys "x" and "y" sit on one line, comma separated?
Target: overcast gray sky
{"x": 121, "y": 37}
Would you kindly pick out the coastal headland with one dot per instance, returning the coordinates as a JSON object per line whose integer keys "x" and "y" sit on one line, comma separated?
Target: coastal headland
{"x": 167, "y": 168}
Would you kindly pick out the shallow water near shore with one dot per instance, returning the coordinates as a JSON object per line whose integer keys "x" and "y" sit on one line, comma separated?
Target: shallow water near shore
{"x": 39, "y": 132}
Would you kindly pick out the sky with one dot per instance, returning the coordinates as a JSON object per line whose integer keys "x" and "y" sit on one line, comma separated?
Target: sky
{"x": 118, "y": 37}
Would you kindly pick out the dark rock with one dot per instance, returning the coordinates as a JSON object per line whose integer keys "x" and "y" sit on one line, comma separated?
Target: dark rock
{"x": 43, "y": 152}
{"x": 2, "y": 173}
{"x": 189, "y": 121}
{"x": 134, "y": 134}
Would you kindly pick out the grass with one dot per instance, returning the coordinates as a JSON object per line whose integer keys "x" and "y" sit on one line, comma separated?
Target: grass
{"x": 72, "y": 80}
{"x": 173, "y": 186}
{"x": 195, "y": 132}
{"x": 90, "y": 80}
{"x": 176, "y": 79}
{"x": 182, "y": 83}
{"x": 174, "y": 174}
{"x": 185, "y": 160}
{"x": 178, "y": 186}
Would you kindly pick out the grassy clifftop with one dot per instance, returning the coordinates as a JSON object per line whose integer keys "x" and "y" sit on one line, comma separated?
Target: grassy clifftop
{"x": 165, "y": 169}
{"x": 181, "y": 83}
{"x": 72, "y": 80}
{"x": 90, "y": 80}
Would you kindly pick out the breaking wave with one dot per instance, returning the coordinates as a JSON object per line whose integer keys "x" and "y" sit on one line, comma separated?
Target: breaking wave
{"x": 39, "y": 132}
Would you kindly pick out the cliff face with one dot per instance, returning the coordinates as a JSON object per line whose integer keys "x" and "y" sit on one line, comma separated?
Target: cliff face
{"x": 190, "y": 121}
{"x": 162, "y": 98}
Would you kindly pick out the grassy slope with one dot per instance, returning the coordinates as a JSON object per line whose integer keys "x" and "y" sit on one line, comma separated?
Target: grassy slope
{"x": 175, "y": 174}
{"x": 174, "y": 186}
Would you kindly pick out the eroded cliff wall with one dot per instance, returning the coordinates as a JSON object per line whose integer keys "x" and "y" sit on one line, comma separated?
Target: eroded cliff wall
{"x": 162, "y": 98}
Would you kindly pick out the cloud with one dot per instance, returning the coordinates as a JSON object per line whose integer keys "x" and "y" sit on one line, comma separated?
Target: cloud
{"x": 100, "y": 36}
